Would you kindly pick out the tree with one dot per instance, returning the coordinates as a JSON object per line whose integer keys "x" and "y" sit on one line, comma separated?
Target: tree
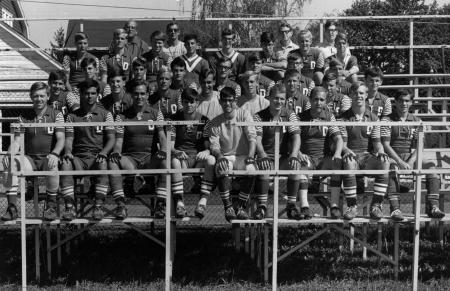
{"x": 248, "y": 31}
{"x": 60, "y": 42}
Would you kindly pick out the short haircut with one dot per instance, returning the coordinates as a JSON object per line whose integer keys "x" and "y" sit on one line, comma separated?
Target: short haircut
{"x": 163, "y": 71}
{"x": 254, "y": 57}
{"x": 117, "y": 72}
{"x": 89, "y": 83}
{"x": 335, "y": 62}
{"x": 317, "y": 90}
{"x": 226, "y": 32}
{"x": 88, "y": 61}
{"x": 190, "y": 36}
{"x": 404, "y": 92}
{"x": 341, "y": 36}
{"x": 205, "y": 75}
{"x": 278, "y": 88}
{"x": 139, "y": 62}
{"x": 284, "y": 24}
{"x": 305, "y": 33}
{"x": 294, "y": 56}
{"x": 117, "y": 32}
{"x": 172, "y": 24}
{"x": 189, "y": 94}
{"x": 222, "y": 60}
{"x": 291, "y": 73}
{"x": 135, "y": 83}
{"x": 80, "y": 36}
{"x": 267, "y": 37}
{"x": 39, "y": 86}
{"x": 57, "y": 75}
{"x": 355, "y": 86}
{"x": 227, "y": 92}
{"x": 158, "y": 35}
{"x": 246, "y": 75}
{"x": 177, "y": 62}
{"x": 373, "y": 72}
{"x": 331, "y": 22}
{"x": 329, "y": 76}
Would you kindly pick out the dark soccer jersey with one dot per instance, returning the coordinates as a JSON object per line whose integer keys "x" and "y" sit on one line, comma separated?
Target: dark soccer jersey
{"x": 73, "y": 66}
{"x": 313, "y": 61}
{"x": 338, "y": 103}
{"x": 381, "y": 105}
{"x": 237, "y": 63}
{"x": 116, "y": 107}
{"x": 360, "y": 139}
{"x": 89, "y": 139}
{"x": 59, "y": 102}
{"x": 265, "y": 84}
{"x": 110, "y": 63}
{"x": 190, "y": 138}
{"x": 298, "y": 103}
{"x": 139, "y": 139}
{"x": 41, "y": 140}
{"x": 168, "y": 102}
{"x": 267, "y": 133}
{"x": 315, "y": 140}
{"x": 154, "y": 63}
{"x": 195, "y": 67}
{"x": 402, "y": 138}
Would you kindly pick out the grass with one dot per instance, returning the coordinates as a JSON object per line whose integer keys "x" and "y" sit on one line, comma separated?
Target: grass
{"x": 206, "y": 260}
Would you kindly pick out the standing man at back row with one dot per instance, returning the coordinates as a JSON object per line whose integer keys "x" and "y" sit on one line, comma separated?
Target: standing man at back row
{"x": 237, "y": 59}
{"x": 174, "y": 47}
{"x": 136, "y": 46}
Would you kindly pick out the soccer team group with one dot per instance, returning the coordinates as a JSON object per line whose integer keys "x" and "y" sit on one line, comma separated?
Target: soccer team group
{"x": 170, "y": 81}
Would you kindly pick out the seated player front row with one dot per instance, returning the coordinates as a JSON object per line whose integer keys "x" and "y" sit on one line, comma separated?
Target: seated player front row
{"x": 218, "y": 146}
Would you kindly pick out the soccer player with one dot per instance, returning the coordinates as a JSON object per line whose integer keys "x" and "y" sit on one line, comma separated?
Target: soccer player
{"x": 117, "y": 58}
{"x": 289, "y": 149}
{"x": 336, "y": 102}
{"x": 343, "y": 54}
{"x": 295, "y": 62}
{"x": 342, "y": 85}
{"x": 222, "y": 77}
{"x": 328, "y": 46}
{"x": 234, "y": 149}
{"x": 312, "y": 57}
{"x": 179, "y": 82}
{"x": 209, "y": 104}
{"x": 59, "y": 98}
{"x": 135, "y": 46}
{"x": 315, "y": 150}
{"x": 400, "y": 144}
{"x": 362, "y": 151}
{"x": 191, "y": 150}
{"x": 87, "y": 148}
{"x": 195, "y": 64}
{"x": 378, "y": 103}
{"x": 156, "y": 58}
{"x": 72, "y": 62}
{"x": 43, "y": 146}
{"x": 136, "y": 148}
{"x": 119, "y": 100}
{"x": 237, "y": 59}
{"x": 283, "y": 47}
{"x": 138, "y": 73}
{"x": 174, "y": 47}
{"x": 166, "y": 100}
{"x": 251, "y": 100}
{"x": 296, "y": 101}
{"x": 255, "y": 63}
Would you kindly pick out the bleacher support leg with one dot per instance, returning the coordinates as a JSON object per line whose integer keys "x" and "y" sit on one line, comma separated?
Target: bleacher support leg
{"x": 364, "y": 251}
{"x": 396, "y": 255}
{"x": 379, "y": 238}
{"x": 173, "y": 238}
{"x": 237, "y": 236}
{"x": 441, "y": 224}
{"x": 247, "y": 238}
{"x": 49, "y": 252}
{"x": 352, "y": 242}
{"x": 37, "y": 248}
{"x": 58, "y": 239}
{"x": 252, "y": 241}
{"x": 266, "y": 252}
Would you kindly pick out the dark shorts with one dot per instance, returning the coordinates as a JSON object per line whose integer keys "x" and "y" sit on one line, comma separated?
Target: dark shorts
{"x": 143, "y": 160}
{"x": 84, "y": 161}
{"x": 38, "y": 162}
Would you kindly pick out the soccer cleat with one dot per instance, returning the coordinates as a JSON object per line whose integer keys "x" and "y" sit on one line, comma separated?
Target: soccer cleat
{"x": 242, "y": 214}
{"x": 11, "y": 213}
{"x": 180, "y": 212}
{"x": 160, "y": 210}
{"x": 435, "y": 212}
{"x": 230, "y": 214}
{"x": 68, "y": 213}
{"x": 292, "y": 212}
{"x": 397, "y": 215}
{"x": 305, "y": 213}
{"x": 335, "y": 213}
{"x": 120, "y": 212}
{"x": 350, "y": 212}
{"x": 260, "y": 213}
{"x": 49, "y": 211}
{"x": 375, "y": 212}
{"x": 97, "y": 213}
{"x": 200, "y": 211}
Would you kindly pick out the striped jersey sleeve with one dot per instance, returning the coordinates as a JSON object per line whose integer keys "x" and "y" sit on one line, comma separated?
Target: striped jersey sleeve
{"x": 103, "y": 68}
{"x": 109, "y": 118}
{"x": 249, "y": 130}
{"x": 206, "y": 129}
{"x": 238, "y": 91}
{"x": 293, "y": 128}
{"x": 310, "y": 87}
{"x": 385, "y": 131}
{"x": 333, "y": 129}
{"x": 343, "y": 130}
{"x": 159, "y": 117}
{"x": 69, "y": 129}
{"x": 120, "y": 129}
{"x": 66, "y": 63}
{"x": 375, "y": 133}
{"x": 72, "y": 100}
{"x": 346, "y": 103}
{"x": 387, "y": 107}
{"x": 258, "y": 128}
{"x": 59, "y": 119}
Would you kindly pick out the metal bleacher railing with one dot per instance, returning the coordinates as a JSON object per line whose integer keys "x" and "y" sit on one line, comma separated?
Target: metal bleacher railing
{"x": 413, "y": 83}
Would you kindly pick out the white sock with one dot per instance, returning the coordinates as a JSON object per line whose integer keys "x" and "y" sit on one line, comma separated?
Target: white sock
{"x": 303, "y": 198}
{"x": 202, "y": 201}
{"x": 180, "y": 203}
{"x": 335, "y": 193}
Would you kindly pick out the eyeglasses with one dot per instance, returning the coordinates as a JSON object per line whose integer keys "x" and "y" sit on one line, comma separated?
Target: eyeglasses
{"x": 224, "y": 67}
{"x": 173, "y": 30}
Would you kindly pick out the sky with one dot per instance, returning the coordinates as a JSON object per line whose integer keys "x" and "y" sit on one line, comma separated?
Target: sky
{"x": 41, "y": 32}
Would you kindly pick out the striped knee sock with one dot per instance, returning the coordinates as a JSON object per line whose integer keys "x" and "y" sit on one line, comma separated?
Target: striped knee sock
{"x": 177, "y": 190}
{"x": 350, "y": 189}
{"x": 225, "y": 196}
